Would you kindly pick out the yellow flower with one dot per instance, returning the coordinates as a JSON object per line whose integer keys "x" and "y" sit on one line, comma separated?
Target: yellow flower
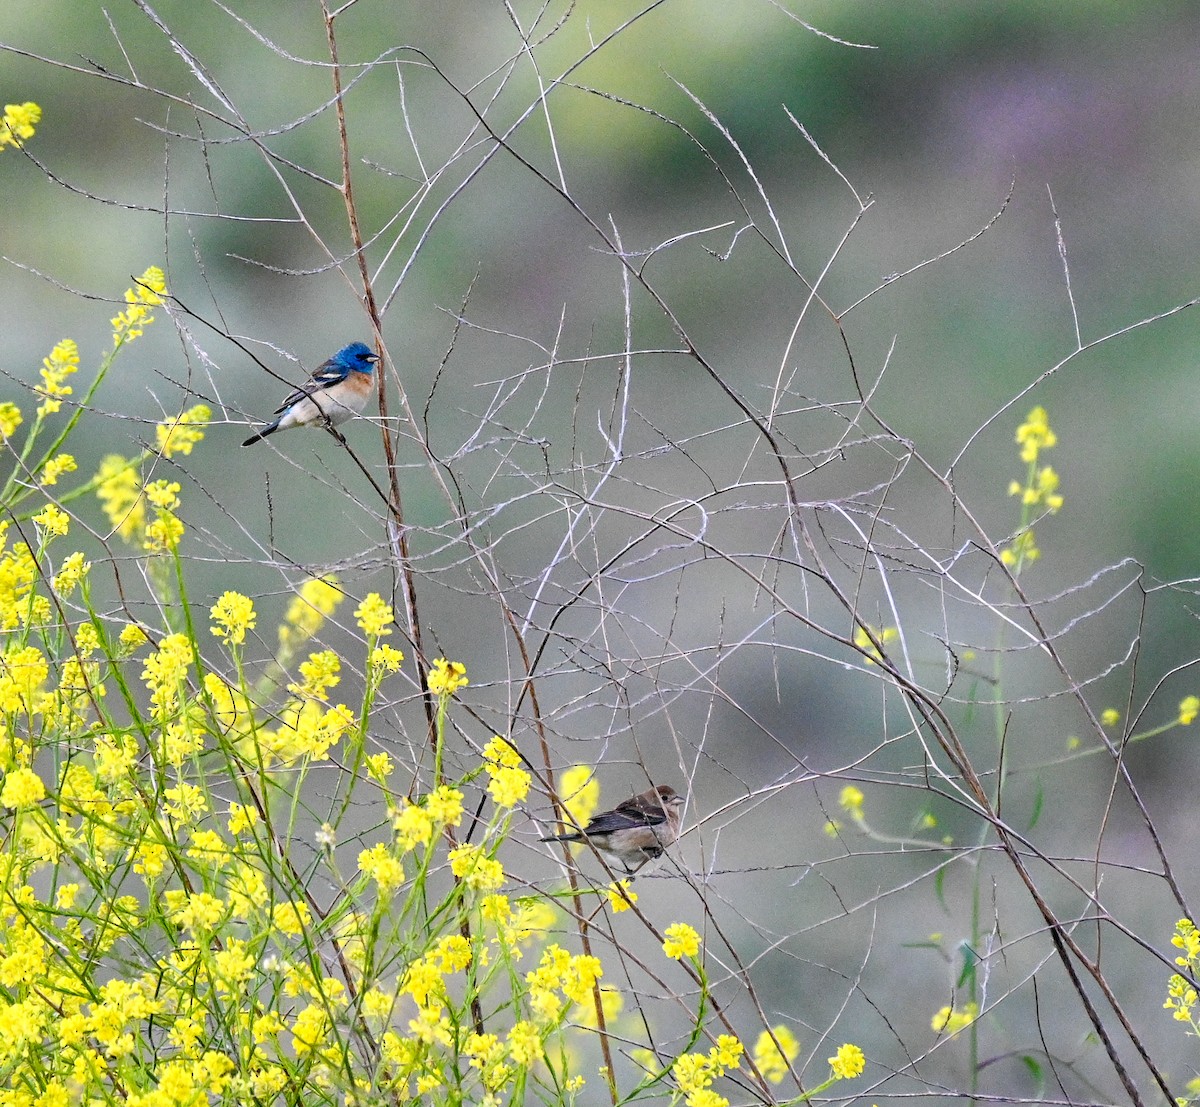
{"x": 62, "y": 362}
{"x": 53, "y": 520}
{"x": 55, "y": 468}
{"x": 1044, "y": 491}
{"x": 883, "y": 635}
{"x": 164, "y": 533}
{"x": 119, "y": 490}
{"x": 22, "y": 788}
{"x": 728, "y": 1051}
{"x": 682, "y": 941}
{"x": 132, "y": 636}
{"x": 1110, "y": 716}
{"x": 774, "y": 1051}
{"x": 693, "y": 1073}
{"x": 447, "y": 677}
{"x": 306, "y": 614}
{"x": 525, "y": 1044}
{"x": 412, "y": 825}
{"x": 508, "y": 787}
{"x": 706, "y": 1097}
{"x": 445, "y": 805}
{"x": 508, "y": 782}
{"x": 65, "y": 896}
{"x": 500, "y": 751}
{"x": 232, "y": 615}
{"x": 19, "y": 123}
{"x": 612, "y": 1003}
{"x": 1181, "y": 998}
{"x": 848, "y": 1062}
{"x": 580, "y": 792}
{"x": 1035, "y": 435}
{"x": 386, "y": 658}
{"x": 165, "y": 671}
{"x": 23, "y": 671}
{"x": 147, "y": 293}
{"x": 451, "y": 954}
{"x": 291, "y": 918}
{"x": 851, "y": 801}
{"x": 1189, "y": 708}
{"x": 163, "y": 493}
{"x": 380, "y": 766}
{"x": 381, "y": 866}
{"x": 183, "y": 432}
{"x": 241, "y": 818}
{"x": 320, "y": 673}
{"x": 374, "y": 616}
{"x": 950, "y": 1021}
{"x": 10, "y": 418}
{"x": 475, "y": 869}
{"x": 621, "y": 896}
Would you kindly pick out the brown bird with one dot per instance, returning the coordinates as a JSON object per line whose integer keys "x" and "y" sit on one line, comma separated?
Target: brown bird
{"x": 633, "y": 832}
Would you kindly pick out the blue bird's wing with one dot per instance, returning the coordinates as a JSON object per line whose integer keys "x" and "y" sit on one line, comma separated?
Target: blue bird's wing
{"x": 326, "y": 376}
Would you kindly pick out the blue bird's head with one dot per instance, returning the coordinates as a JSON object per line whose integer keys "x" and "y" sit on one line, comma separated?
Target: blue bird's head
{"x": 356, "y": 357}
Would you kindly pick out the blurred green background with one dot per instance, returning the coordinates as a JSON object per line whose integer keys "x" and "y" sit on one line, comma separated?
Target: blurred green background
{"x": 937, "y": 112}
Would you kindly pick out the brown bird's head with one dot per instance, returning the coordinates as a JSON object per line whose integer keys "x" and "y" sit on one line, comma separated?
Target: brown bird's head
{"x": 668, "y": 797}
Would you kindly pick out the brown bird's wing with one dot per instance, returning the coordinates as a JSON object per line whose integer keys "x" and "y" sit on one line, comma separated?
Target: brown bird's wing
{"x": 626, "y": 816}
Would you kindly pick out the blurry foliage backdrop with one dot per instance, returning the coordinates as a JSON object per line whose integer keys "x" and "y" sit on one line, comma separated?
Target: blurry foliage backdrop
{"x": 938, "y": 111}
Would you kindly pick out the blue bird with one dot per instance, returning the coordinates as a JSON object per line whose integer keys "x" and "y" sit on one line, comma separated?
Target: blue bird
{"x": 337, "y": 391}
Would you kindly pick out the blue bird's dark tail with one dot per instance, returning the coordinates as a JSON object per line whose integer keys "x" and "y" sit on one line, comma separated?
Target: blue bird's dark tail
{"x": 270, "y": 428}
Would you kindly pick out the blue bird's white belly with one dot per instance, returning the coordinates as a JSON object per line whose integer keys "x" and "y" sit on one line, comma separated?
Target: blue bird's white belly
{"x": 322, "y": 406}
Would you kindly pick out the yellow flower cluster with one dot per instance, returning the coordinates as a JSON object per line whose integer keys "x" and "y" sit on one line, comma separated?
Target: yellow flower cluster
{"x": 1035, "y": 435}
{"x": 883, "y": 635}
{"x": 119, "y": 490}
{"x": 559, "y": 971}
{"x": 316, "y": 600}
{"x": 23, "y": 671}
{"x": 308, "y": 729}
{"x": 475, "y": 869}
{"x": 580, "y": 792}
{"x": 320, "y": 673}
{"x": 22, "y": 788}
{"x": 10, "y": 419}
{"x": 52, "y": 521}
{"x": 18, "y": 574}
{"x": 1039, "y": 493}
{"x": 56, "y": 467}
{"x": 374, "y": 616}
{"x": 414, "y": 825}
{"x": 1181, "y": 995}
{"x": 446, "y": 677}
{"x": 621, "y": 896}
{"x": 232, "y": 615}
{"x": 164, "y": 533}
{"x": 949, "y": 1021}
{"x": 851, "y": 801}
{"x": 508, "y": 783}
{"x": 515, "y": 927}
{"x": 1189, "y": 708}
{"x": 183, "y": 432}
{"x": 19, "y": 123}
{"x": 60, "y": 364}
{"x": 847, "y": 1063}
{"x": 165, "y": 674}
{"x": 146, "y": 294}
{"x": 695, "y": 1072}
{"x": 774, "y": 1051}
{"x": 681, "y": 941}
